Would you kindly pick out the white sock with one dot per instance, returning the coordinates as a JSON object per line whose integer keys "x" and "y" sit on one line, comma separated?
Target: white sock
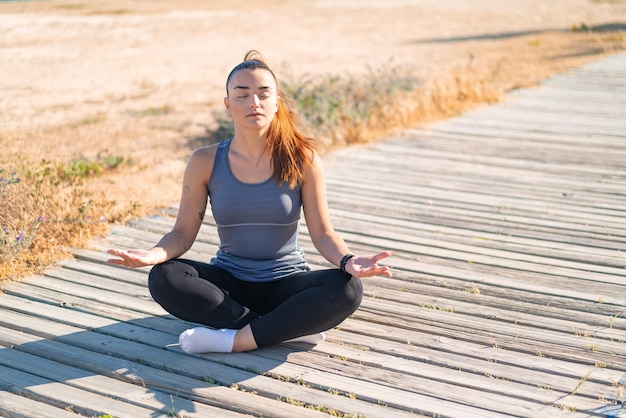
{"x": 309, "y": 339}
{"x": 205, "y": 340}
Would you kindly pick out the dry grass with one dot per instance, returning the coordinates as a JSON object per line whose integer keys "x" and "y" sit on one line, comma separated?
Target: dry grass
{"x": 46, "y": 207}
{"x": 437, "y": 98}
{"x": 400, "y": 100}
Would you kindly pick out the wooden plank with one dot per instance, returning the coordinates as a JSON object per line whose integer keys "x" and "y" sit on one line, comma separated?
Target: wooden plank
{"x": 536, "y": 177}
{"x": 16, "y": 406}
{"x": 229, "y": 401}
{"x": 139, "y": 395}
{"x": 565, "y": 345}
{"x": 594, "y": 298}
{"x": 82, "y": 321}
{"x": 65, "y": 396}
{"x": 135, "y": 277}
{"x": 429, "y": 189}
{"x": 147, "y": 347}
{"x": 510, "y": 149}
{"x": 470, "y": 358}
{"x": 315, "y": 379}
{"x": 442, "y": 350}
{"x": 470, "y": 249}
{"x": 562, "y": 251}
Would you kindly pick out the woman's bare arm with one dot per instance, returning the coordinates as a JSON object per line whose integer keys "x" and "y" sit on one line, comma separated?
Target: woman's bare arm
{"x": 193, "y": 204}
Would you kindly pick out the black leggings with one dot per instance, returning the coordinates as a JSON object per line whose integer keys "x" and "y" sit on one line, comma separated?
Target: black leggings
{"x": 301, "y": 304}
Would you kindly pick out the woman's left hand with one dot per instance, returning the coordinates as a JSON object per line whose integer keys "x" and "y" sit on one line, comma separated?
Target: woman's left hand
{"x": 367, "y": 266}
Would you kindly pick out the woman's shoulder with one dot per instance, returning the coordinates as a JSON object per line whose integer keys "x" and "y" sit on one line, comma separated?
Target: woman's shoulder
{"x": 200, "y": 164}
{"x": 314, "y": 170}
{"x": 314, "y": 159}
{"x": 208, "y": 151}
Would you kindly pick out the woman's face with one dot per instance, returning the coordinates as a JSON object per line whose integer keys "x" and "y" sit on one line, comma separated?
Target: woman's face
{"x": 252, "y": 98}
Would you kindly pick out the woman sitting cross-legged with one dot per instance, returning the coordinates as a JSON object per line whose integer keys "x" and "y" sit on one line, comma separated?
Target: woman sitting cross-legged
{"x": 258, "y": 290}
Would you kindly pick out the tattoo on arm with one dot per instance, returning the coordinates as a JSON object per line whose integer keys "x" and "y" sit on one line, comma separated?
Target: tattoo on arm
{"x": 186, "y": 189}
{"x": 201, "y": 214}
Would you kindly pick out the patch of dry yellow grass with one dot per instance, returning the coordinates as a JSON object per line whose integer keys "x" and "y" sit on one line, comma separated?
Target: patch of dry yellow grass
{"x": 47, "y": 207}
{"x": 440, "y": 97}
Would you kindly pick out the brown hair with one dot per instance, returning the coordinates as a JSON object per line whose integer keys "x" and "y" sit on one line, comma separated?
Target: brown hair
{"x": 291, "y": 151}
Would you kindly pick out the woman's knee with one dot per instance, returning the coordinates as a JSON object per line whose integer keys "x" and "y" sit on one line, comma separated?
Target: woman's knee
{"x": 353, "y": 292}
{"x": 157, "y": 282}
{"x": 345, "y": 293}
{"x": 343, "y": 301}
{"x": 160, "y": 279}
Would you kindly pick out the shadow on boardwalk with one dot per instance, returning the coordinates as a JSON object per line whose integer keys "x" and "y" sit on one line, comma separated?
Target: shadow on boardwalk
{"x": 127, "y": 360}
{"x": 509, "y": 295}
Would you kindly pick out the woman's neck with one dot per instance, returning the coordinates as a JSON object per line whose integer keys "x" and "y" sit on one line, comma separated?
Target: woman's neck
{"x": 249, "y": 160}
{"x": 248, "y": 144}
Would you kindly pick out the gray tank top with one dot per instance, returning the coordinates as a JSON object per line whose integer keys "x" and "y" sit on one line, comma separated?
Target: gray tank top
{"x": 257, "y": 224}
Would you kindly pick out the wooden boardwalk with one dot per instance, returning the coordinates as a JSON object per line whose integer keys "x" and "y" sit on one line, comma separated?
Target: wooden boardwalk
{"x": 509, "y": 297}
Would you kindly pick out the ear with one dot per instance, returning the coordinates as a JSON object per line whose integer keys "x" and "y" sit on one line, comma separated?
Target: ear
{"x": 277, "y": 103}
{"x": 226, "y": 104}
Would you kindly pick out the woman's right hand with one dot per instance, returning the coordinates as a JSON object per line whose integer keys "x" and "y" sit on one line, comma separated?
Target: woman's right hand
{"x": 191, "y": 211}
{"x": 134, "y": 258}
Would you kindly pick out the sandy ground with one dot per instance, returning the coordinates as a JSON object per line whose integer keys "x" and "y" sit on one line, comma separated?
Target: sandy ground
{"x": 142, "y": 77}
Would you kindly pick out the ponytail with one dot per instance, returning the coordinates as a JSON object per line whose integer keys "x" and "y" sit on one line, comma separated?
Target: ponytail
{"x": 290, "y": 150}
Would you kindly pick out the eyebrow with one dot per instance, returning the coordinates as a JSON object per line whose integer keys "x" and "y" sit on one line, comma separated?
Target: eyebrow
{"x": 248, "y": 88}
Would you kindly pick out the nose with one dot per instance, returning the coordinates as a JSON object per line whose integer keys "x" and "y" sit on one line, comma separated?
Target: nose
{"x": 255, "y": 101}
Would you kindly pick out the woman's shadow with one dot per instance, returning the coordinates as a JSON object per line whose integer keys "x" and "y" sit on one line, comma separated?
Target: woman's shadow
{"x": 50, "y": 353}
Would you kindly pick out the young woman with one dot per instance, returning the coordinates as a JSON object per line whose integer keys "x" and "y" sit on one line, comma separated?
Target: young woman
{"x": 258, "y": 289}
